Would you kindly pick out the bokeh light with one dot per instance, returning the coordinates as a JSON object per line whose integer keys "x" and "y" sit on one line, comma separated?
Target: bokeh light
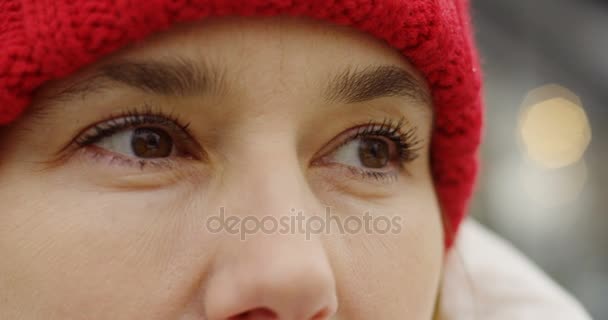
{"x": 554, "y": 128}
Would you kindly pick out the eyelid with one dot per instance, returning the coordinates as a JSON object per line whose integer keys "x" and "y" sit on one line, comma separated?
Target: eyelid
{"x": 134, "y": 118}
{"x": 130, "y": 119}
{"x": 339, "y": 141}
{"x": 322, "y": 160}
{"x": 400, "y": 133}
{"x": 387, "y": 128}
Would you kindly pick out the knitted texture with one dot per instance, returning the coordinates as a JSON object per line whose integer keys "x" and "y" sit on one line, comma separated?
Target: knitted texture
{"x": 43, "y": 40}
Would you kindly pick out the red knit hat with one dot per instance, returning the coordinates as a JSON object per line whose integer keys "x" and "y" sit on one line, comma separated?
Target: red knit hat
{"x": 43, "y": 40}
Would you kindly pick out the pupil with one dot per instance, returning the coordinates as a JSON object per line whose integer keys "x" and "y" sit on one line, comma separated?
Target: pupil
{"x": 151, "y": 143}
{"x": 374, "y": 153}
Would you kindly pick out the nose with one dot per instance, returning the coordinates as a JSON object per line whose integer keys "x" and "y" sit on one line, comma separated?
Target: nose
{"x": 278, "y": 276}
{"x": 271, "y": 278}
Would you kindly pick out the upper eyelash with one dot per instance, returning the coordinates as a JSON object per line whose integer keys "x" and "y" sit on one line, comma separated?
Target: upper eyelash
{"x": 130, "y": 119}
{"x": 407, "y": 142}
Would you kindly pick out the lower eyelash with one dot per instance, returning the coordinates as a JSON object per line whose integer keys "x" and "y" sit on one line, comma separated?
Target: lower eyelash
{"x": 99, "y": 155}
{"x": 385, "y": 177}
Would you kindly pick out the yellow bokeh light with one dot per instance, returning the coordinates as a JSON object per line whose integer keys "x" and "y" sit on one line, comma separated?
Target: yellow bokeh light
{"x": 554, "y": 130}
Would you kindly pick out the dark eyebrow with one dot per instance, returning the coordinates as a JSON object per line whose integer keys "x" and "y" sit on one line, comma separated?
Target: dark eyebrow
{"x": 179, "y": 77}
{"x": 171, "y": 77}
{"x": 351, "y": 85}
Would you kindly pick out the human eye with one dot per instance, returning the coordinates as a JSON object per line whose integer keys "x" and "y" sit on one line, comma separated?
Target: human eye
{"x": 377, "y": 151}
{"x": 139, "y": 138}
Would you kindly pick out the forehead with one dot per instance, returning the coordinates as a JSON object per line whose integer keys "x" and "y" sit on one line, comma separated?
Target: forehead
{"x": 291, "y": 45}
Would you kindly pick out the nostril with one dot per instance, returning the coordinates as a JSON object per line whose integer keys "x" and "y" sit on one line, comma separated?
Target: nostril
{"x": 321, "y": 315}
{"x": 267, "y": 314}
{"x": 256, "y": 314}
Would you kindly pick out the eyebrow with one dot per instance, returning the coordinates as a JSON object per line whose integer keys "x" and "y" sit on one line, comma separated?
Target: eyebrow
{"x": 182, "y": 77}
{"x": 179, "y": 77}
{"x": 176, "y": 77}
{"x": 352, "y": 85}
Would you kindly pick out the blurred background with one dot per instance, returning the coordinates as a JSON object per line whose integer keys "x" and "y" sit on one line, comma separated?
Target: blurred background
{"x": 544, "y": 181}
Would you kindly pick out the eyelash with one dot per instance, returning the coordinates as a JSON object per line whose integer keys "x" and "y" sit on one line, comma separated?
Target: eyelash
{"x": 406, "y": 141}
{"x": 133, "y": 118}
{"x": 130, "y": 119}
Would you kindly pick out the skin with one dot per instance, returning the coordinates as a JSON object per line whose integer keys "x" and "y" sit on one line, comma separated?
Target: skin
{"x": 92, "y": 233}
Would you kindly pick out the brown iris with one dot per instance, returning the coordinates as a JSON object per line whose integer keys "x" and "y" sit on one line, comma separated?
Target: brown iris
{"x": 151, "y": 143}
{"x": 374, "y": 152}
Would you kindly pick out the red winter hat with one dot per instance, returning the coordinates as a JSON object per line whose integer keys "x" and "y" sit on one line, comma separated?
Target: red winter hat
{"x": 44, "y": 40}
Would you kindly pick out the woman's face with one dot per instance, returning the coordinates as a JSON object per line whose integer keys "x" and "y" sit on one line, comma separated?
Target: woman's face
{"x": 232, "y": 169}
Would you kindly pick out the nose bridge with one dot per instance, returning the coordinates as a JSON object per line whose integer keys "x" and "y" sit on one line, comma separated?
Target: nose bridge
{"x": 265, "y": 179}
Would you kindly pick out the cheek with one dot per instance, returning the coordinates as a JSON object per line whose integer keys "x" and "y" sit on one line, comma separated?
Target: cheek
{"x": 78, "y": 250}
{"x": 396, "y": 274}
